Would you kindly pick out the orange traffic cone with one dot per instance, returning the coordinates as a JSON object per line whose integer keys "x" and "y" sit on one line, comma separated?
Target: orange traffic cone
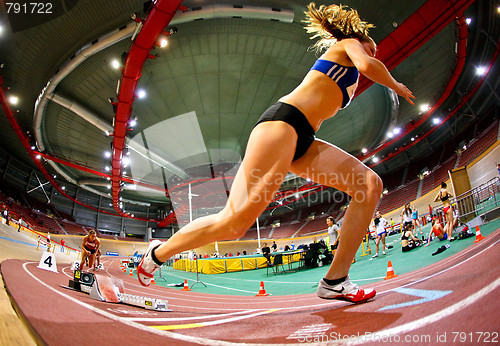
{"x": 186, "y": 286}
{"x": 479, "y": 236}
{"x": 390, "y": 271}
{"x": 153, "y": 281}
{"x": 131, "y": 274}
{"x": 262, "y": 290}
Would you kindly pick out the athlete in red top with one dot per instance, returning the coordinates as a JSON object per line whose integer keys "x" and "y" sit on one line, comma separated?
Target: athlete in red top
{"x": 438, "y": 231}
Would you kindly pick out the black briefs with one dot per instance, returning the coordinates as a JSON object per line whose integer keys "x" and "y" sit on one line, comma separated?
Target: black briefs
{"x": 292, "y": 116}
{"x": 92, "y": 251}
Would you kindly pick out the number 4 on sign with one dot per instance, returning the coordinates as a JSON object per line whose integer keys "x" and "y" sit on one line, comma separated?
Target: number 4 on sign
{"x": 48, "y": 262}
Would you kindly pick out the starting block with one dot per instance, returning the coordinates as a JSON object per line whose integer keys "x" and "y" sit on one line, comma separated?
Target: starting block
{"x": 111, "y": 290}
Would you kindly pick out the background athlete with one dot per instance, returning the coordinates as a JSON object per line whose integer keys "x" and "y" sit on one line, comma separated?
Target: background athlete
{"x": 444, "y": 195}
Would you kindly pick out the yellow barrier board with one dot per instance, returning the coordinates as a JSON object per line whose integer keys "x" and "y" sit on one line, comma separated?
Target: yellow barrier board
{"x": 227, "y": 265}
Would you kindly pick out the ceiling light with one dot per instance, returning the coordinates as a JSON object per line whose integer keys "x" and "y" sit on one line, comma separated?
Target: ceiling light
{"x": 364, "y": 150}
{"x": 38, "y": 157}
{"x": 412, "y": 139}
{"x": 480, "y": 70}
{"x": 1, "y": 29}
{"x": 468, "y": 21}
{"x": 115, "y": 64}
{"x": 396, "y": 131}
{"x": 424, "y": 107}
{"x": 133, "y": 121}
{"x": 375, "y": 159}
{"x": 107, "y": 168}
{"x": 63, "y": 187}
{"x": 498, "y": 9}
{"x": 163, "y": 42}
{"x": 125, "y": 161}
{"x": 390, "y": 134}
{"x": 141, "y": 94}
{"x": 436, "y": 121}
{"x": 13, "y": 100}
{"x": 33, "y": 147}
{"x": 107, "y": 154}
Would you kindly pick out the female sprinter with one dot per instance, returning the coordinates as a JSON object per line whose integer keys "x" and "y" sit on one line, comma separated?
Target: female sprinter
{"x": 444, "y": 196}
{"x": 284, "y": 140}
{"x": 90, "y": 245}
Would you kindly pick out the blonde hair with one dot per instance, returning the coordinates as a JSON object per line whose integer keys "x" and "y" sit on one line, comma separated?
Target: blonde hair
{"x": 333, "y": 23}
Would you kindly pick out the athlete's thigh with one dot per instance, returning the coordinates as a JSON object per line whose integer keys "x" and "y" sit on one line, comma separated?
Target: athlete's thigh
{"x": 269, "y": 152}
{"x": 326, "y": 164}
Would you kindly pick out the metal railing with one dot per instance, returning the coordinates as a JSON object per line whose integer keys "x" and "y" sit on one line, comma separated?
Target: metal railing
{"x": 477, "y": 201}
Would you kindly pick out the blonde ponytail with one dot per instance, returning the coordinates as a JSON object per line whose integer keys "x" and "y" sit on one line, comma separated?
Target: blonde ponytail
{"x": 333, "y": 23}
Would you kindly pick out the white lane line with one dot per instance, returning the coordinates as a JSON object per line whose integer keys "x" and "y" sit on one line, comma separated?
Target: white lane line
{"x": 201, "y": 317}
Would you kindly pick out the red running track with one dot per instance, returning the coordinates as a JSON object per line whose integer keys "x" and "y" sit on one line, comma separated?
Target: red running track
{"x": 454, "y": 301}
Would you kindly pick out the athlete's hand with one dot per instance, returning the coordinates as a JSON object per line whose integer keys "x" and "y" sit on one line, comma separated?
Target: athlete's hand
{"x": 403, "y": 91}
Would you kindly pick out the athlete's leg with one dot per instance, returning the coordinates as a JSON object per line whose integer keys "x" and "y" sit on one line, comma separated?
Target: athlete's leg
{"x": 269, "y": 152}
{"x": 84, "y": 257}
{"x": 449, "y": 222}
{"x": 91, "y": 260}
{"x": 377, "y": 242}
{"x": 383, "y": 243}
{"x": 329, "y": 165}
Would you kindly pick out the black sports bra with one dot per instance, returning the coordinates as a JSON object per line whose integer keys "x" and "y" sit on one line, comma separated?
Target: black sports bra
{"x": 445, "y": 198}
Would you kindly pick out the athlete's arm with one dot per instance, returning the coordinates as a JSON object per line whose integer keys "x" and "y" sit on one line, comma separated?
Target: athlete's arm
{"x": 83, "y": 243}
{"x": 438, "y": 196}
{"x": 374, "y": 69}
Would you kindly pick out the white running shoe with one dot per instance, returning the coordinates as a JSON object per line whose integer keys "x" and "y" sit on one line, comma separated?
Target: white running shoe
{"x": 376, "y": 255}
{"x": 383, "y": 252}
{"x": 147, "y": 266}
{"x": 345, "y": 290}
